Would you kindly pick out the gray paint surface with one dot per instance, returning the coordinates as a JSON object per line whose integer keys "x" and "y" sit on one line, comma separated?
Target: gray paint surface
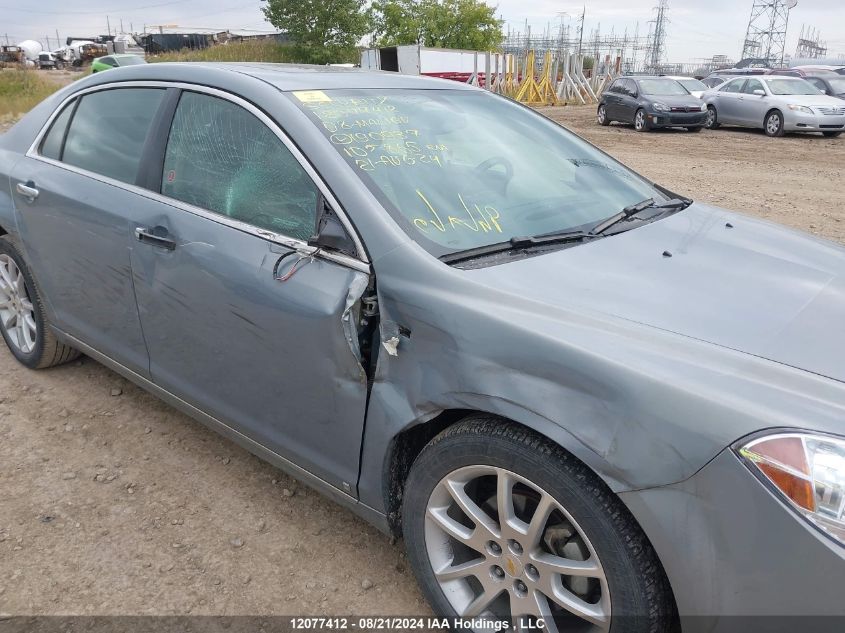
{"x": 646, "y": 367}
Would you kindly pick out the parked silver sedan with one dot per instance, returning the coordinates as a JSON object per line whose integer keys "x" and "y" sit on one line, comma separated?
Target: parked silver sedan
{"x": 775, "y": 104}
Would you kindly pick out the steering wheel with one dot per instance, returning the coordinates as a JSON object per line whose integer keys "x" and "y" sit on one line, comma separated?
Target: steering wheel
{"x": 485, "y": 166}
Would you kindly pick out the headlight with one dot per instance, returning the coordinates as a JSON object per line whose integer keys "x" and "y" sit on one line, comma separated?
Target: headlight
{"x": 704, "y": 107}
{"x": 808, "y": 470}
{"x": 799, "y": 108}
{"x": 661, "y": 107}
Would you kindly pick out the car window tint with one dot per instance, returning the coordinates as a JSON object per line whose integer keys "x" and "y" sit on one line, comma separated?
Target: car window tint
{"x": 734, "y": 85}
{"x": 616, "y": 87}
{"x": 108, "y": 131}
{"x": 818, "y": 83}
{"x": 222, "y": 158}
{"x": 108, "y": 61}
{"x": 752, "y": 85}
{"x": 51, "y": 146}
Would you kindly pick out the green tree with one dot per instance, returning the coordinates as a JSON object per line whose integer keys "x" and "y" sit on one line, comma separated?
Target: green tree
{"x": 320, "y": 31}
{"x": 467, "y": 24}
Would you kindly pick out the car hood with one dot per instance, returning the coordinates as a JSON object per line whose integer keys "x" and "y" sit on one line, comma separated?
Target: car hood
{"x": 676, "y": 101}
{"x": 811, "y": 100}
{"x": 704, "y": 273}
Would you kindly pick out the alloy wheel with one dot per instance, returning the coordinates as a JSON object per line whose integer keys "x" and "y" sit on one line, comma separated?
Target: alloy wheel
{"x": 773, "y": 123}
{"x": 17, "y": 315}
{"x": 602, "y": 114}
{"x": 639, "y": 120}
{"x": 501, "y": 547}
{"x": 711, "y": 117}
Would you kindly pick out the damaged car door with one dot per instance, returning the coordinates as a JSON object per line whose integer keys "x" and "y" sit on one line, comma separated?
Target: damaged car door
{"x": 242, "y": 319}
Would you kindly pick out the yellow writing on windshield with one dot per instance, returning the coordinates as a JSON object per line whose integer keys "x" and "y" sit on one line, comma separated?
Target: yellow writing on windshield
{"x": 476, "y": 218}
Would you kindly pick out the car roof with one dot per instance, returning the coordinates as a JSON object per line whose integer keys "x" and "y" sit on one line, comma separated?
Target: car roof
{"x": 285, "y": 77}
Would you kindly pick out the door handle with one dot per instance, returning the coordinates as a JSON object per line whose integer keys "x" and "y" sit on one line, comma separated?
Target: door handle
{"x": 157, "y": 236}
{"x": 28, "y": 190}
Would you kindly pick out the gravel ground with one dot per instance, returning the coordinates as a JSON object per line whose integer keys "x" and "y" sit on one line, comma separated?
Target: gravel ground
{"x": 111, "y": 502}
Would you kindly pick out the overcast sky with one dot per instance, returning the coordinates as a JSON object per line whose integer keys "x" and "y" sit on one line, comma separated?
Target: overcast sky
{"x": 697, "y": 28}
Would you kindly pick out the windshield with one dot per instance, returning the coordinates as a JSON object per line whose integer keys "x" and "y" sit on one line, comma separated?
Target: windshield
{"x": 692, "y": 84}
{"x": 661, "y": 87}
{"x": 838, "y": 85}
{"x": 460, "y": 169}
{"x": 792, "y": 87}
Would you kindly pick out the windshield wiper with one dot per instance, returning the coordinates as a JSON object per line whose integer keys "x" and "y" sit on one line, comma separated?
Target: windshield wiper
{"x": 516, "y": 243}
{"x": 633, "y": 209}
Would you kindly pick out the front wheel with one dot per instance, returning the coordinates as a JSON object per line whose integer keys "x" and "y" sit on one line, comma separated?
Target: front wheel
{"x": 773, "y": 126}
{"x": 22, "y": 321}
{"x": 602, "y": 117}
{"x": 501, "y": 524}
{"x": 712, "y": 121}
{"x": 641, "y": 121}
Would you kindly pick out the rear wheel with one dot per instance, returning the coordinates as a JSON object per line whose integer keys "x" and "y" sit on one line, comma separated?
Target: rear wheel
{"x": 23, "y": 323}
{"x": 601, "y": 116}
{"x": 712, "y": 121}
{"x": 501, "y": 524}
{"x": 832, "y": 134}
{"x": 641, "y": 121}
{"x": 773, "y": 125}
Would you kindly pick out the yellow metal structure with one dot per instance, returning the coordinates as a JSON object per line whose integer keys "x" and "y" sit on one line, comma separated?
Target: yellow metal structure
{"x": 533, "y": 92}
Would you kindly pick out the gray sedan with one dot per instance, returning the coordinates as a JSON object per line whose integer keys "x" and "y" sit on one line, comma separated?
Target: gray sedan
{"x": 585, "y": 402}
{"x": 776, "y": 105}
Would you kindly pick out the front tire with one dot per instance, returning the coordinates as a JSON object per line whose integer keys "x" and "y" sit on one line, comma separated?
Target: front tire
{"x": 773, "y": 125}
{"x": 601, "y": 116}
{"x": 712, "y": 121}
{"x": 23, "y": 323}
{"x": 568, "y": 552}
{"x": 641, "y": 121}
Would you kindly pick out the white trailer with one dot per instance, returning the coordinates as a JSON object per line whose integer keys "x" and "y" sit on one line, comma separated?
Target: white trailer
{"x": 413, "y": 59}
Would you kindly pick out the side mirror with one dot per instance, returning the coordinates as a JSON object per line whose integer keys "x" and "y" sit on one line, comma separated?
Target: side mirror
{"x": 760, "y": 93}
{"x": 330, "y": 232}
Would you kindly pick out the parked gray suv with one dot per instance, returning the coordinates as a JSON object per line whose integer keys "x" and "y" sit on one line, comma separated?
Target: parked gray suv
{"x": 585, "y": 402}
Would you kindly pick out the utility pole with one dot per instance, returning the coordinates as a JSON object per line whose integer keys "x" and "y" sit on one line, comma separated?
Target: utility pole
{"x": 581, "y": 30}
{"x": 58, "y": 40}
{"x": 108, "y": 26}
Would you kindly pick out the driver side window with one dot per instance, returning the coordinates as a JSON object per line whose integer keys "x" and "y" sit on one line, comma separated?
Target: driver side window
{"x": 223, "y": 159}
{"x": 733, "y": 86}
{"x": 752, "y": 85}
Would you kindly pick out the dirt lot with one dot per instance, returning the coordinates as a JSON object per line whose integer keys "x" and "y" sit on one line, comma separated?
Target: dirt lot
{"x": 113, "y": 503}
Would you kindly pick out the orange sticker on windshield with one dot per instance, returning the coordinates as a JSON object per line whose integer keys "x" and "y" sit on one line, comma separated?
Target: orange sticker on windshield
{"x": 312, "y": 96}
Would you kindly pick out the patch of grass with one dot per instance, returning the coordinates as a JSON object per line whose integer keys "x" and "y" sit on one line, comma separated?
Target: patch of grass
{"x": 248, "y": 51}
{"x": 21, "y": 90}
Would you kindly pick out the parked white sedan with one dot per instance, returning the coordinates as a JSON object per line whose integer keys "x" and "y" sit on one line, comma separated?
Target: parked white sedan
{"x": 776, "y": 104}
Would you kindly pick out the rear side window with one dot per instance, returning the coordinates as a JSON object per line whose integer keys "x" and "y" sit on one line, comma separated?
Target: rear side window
{"x": 108, "y": 131}
{"x": 51, "y": 146}
{"x": 222, "y": 158}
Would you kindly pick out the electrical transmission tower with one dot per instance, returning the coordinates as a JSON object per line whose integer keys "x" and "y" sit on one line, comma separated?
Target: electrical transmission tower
{"x": 765, "y": 38}
{"x": 810, "y": 45}
{"x": 656, "y": 46}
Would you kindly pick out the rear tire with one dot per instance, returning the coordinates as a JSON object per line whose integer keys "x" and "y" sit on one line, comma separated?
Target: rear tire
{"x": 23, "y": 322}
{"x": 485, "y": 459}
{"x": 601, "y": 116}
{"x": 773, "y": 124}
{"x": 832, "y": 134}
